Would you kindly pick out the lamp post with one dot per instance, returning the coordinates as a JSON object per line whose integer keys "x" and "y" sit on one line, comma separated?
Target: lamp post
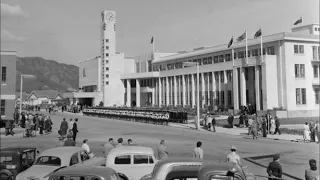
{"x": 190, "y": 64}
{"x": 21, "y": 82}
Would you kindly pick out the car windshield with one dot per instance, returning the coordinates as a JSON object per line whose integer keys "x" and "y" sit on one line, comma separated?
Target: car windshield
{"x": 5, "y": 159}
{"x": 48, "y": 161}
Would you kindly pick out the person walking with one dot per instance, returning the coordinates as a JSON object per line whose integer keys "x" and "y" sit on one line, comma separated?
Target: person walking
{"x": 264, "y": 128}
{"x": 213, "y": 124}
{"x": 250, "y": 122}
{"x": 312, "y": 132}
{"x": 107, "y": 147}
{"x": 312, "y": 173}
{"x": 274, "y": 168}
{"x": 306, "y": 133}
{"x": 162, "y": 150}
{"x": 233, "y": 156}
{"x": 75, "y": 129}
{"x": 272, "y": 126}
{"x": 197, "y": 151}
{"x": 277, "y": 126}
{"x": 70, "y": 125}
{"x": 69, "y": 141}
{"x": 63, "y": 127}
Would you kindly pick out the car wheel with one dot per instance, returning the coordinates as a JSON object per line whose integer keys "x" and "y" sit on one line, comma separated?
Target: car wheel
{"x": 5, "y": 176}
{"x": 122, "y": 176}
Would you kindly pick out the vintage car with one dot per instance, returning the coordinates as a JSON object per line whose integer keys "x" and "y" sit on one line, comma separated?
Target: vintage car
{"x": 223, "y": 171}
{"x": 85, "y": 172}
{"x": 175, "y": 169}
{"x": 56, "y": 158}
{"x": 15, "y": 160}
{"x": 131, "y": 162}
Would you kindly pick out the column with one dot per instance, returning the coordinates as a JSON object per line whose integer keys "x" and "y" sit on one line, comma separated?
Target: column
{"x": 188, "y": 90}
{"x": 160, "y": 93}
{"x": 213, "y": 89}
{"x": 175, "y": 90}
{"x": 167, "y": 91}
{"x": 128, "y": 93}
{"x": 193, "y": 90}
{"x": 235, "y": 89}
{"x": 203, "y": 90}
{"x": 219, "y": 88}
{"x": 178, "y": 90}
{"x": 153, "y": 91}
{"x": 257, "y": 87}
{"x": 183, "y": 91}
{"x": 225, "y": 89}
{"x": 138, "y": 92}
{"x": 243, "y": 87}
{"x": 208, "y": 84}
{"x": 171, "y": 90}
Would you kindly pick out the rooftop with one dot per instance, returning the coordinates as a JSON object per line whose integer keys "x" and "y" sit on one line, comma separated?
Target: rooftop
{"x": 131, "y": 150}
{"x": 51, "y": 94}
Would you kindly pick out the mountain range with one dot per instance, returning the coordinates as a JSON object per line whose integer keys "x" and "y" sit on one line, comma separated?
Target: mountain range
{"x": 49, "y": 75}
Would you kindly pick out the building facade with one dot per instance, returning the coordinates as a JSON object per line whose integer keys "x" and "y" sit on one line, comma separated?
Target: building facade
{"x": 43, "y": 97}
{"x": 8, "y": 84}
{"x": 285, "y": 76}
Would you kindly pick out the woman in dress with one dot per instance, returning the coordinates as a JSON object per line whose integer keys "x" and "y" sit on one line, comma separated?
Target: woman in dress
{"x": 273, "y": 126}
{"x": 306, "y": 133}
{"x": 254, "y": 129}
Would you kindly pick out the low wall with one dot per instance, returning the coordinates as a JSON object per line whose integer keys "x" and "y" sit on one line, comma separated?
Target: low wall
{"x": 298, "y": 113}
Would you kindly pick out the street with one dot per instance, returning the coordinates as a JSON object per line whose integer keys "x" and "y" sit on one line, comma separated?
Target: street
{"x": 180, "y": 142}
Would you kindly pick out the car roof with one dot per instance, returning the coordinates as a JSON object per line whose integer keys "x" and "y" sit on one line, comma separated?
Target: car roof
{"x": 219, "y": 168}
{"x": 61, "y": 152}
{"x": 130, "y": 150}
{"x": 17, "y": 149}
{"x": 86, "y": 170}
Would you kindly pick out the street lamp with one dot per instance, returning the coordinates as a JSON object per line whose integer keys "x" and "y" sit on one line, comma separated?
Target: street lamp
{"x": 190, "y": 64}
{"x": 21, "y": 82}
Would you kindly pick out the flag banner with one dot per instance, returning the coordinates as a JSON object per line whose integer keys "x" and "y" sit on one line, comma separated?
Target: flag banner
{"x": 299, "y": 21}
{"x": 151, "y": 40}
{"x": 258, "y": 33}
{"x": 242, "y": 37}
{"x": 230, "y": 42}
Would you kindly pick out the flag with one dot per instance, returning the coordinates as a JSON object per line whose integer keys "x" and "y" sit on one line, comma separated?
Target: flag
{"x": 151, "y": 40}
{"x": 258, "y": 33}
{"x": 230, "y": 42}
{"x": 299, "y": 21}
{"x": 242, "y": 37}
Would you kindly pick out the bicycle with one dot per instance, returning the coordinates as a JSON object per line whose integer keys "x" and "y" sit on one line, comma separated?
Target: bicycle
{"x": 31, "y": 133}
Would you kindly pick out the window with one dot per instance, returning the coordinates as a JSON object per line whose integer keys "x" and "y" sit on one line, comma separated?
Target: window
{"x": 221, "y": 58}
{"x": 235, "y": 55}
{"x": 5, "y": 159}
{"x": 107, "y": 47}
{"x": 4, "y": 73}
{"x": 107, "y": 68}
{"x": 210, "y": 60}
{"x": 270, "y": 50}
{"x": 315, "y": 71}
{"x": 217, "y": 97}
{"x": 137, "y": 67}
{"x": 299, "y": 70}
{"x": 229, "y": 97}
{"x": 151, "y": 160}
{"x": 140, "y": 159}
{"x": 107, "y": 40}
{"x": 107, "y": 61}
{"x": 84, "y": 156}
{"x": 125, "y": 159}
{"x": 215, "y": 59}
{"x": 317, "y": 95}
{"x": 221, "y": 76}
{"x": 74, "y": 159}
{"x": 222, "y": 97}
{"x": 298, "y": 49}
{"x": 107, "y": 82}
{"x": 107, "y": 54}
{"x": 107, "y": 75}
{"x": 48, "y": 161}
{"x": 315, "y": 52}
{"x": 3, "y": 107}
{"x": 216, "y": 76}
{"x": 205, "y": 61}
{"x": 170, "y": 66}
{"x": 229, "y": 75}
{"x": 301, "y": 96}
{"x": 228, "y": 57}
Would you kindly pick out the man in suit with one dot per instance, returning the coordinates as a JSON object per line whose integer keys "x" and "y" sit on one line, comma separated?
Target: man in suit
{"x": 277, "y": 126}
{"x": 75, "y": 129}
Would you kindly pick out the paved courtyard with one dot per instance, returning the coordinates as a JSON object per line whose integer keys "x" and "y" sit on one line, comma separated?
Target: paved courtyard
{"x": 180, "y": 142}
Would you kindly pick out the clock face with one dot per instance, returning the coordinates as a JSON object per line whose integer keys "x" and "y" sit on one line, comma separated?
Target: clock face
{"x": 110, "y": 17}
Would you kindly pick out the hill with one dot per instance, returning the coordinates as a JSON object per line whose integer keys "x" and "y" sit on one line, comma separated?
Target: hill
{"x": 49, "y": 75}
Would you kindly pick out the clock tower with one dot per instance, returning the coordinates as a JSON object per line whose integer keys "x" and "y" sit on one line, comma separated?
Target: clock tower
{"x": 108, "y": 50}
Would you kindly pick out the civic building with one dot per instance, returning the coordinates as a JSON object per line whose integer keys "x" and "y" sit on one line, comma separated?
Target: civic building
{"x": 8, "y": 84}
{"x": 285, "y": 76}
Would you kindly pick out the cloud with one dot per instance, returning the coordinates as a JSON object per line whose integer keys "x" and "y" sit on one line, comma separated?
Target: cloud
{"x": 12, "y": 10}
{"x": 7, "y": 36}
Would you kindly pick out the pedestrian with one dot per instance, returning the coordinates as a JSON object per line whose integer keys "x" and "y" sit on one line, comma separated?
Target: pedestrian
{"x": 317, "y": 131}
{"x": 264, "y": 127}
{"x": 23, "y": 120}
{"x": 69, "y": 141}
{"x": 129, "y": 142}
{"x": 272, "y": 126}
{"x": 63, "y": 127}
{"x": 213, "y": 124}
{"x": 120, "y": 140}
{"x": 233, "y": 156}
{"x": 197, "y": 151}
{"x": 254, "y": 129}
{"x": 8, "y": 128}
{"x": 75, "y": 129}
{"x": 312, "y": 132}
{"x": 312, "y": 173}
{"x": 70, "y": 125}
{"x": 107, "y": 147}
{"x": 87, "y": 148}
{"x": 162, "y": 150}
{"x": 277, "y": 126}
{"x": 250, "y": 122}
{"x": 306, "y": 133}
{"x": 37, "y": 122}
{"x": 41, "y": 124}
{"x": 274, "y": 168}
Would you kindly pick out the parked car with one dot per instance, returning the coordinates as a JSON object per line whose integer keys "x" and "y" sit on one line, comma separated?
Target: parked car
{"x": 223, "y": 171}
{"x": 54, "y": 159}
{"x": 85, "y": 172}
{"x": 15, "y": 160}
{"x": 131, "y": 162}
{"x": 175, "y": 169}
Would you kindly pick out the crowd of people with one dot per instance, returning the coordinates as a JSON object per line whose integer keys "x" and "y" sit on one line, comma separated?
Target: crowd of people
{"x": 311, "y": 132}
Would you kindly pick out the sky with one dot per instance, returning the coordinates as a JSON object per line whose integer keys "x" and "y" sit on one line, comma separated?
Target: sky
{"x": 68, "y": 31}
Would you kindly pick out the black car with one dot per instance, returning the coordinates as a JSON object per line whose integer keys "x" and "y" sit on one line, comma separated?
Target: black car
{"x": 15, "y": 160}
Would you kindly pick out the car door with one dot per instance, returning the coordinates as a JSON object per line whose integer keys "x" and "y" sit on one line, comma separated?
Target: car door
{"x": 74, "y": 159}
{"x": 122, "y": 163}
{"x": 142, "y": 164}
{"x": 85, "y": 159}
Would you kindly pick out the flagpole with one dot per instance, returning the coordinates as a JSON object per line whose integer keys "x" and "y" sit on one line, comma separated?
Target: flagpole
{"x": 152, "y": 45}
{"x": 261, "y": 46}
{"x": 246, "y": 47}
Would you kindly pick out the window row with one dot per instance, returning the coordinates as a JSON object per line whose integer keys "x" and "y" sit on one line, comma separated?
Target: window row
{"x": 316, "y": 52}
{"x": 3, "y": 107}
{"x": 3, "y": 73}
{"x": 137, "y": 159}
{"x": 298, "y": 49}
{"x": 299, "y": 70}
{"x": 316, "y": 69}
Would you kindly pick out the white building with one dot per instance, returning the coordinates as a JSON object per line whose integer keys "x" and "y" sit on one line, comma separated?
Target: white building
{"x": 286, "y": 76}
